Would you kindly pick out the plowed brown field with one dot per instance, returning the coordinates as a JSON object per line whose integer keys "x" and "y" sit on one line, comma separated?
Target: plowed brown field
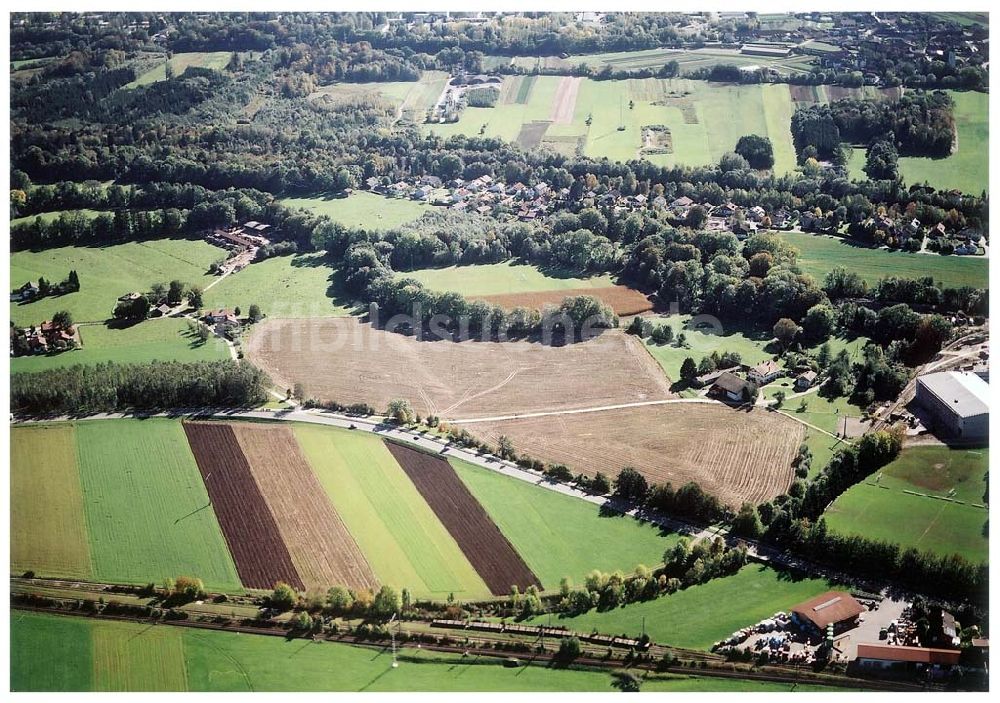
{"x": 622, "y": 299}
{"x": 733, "y": 454}
{"x": 249, "y": 528}
{"x": 344, "y": 360}
{"x": 487, "y": 549}
{"x": 323, "y": 551}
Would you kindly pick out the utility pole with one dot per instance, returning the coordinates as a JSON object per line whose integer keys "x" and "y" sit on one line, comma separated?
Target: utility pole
{"x": 392, "y": 634}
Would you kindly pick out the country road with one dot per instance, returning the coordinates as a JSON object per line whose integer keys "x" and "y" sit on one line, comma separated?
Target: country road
{"x": 602, "y": 408}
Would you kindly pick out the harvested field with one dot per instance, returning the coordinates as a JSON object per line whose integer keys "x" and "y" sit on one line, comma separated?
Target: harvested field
{"x": 733, "y": 454}
{"x": 351, "y": 362}
{"x": 323, "y": 551}
{"x": 530, "y": 136}
{"x": 482, "y": 542}
{"x": 622, "y": 299}
{"x": 564, "y": 106}
{"x": 260, "y": 555}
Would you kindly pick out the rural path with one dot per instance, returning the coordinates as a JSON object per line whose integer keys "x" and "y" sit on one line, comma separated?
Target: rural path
{"x": 601, "y": 408}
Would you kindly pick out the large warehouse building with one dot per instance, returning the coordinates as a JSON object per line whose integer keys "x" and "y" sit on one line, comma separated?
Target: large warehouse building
{"x": 958, "y": 404}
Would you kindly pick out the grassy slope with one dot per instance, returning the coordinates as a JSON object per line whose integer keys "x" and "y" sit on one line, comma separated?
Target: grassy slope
{"x": 825, "y": 413}
{"x": 558, "y": 535}
{"x": 50, "y": 653}
{"x": 216, "y": 60}
{"x": 106, "y": 273}
{"x": 158, "y": 339}
{"x": 148, "y": 513}
{"x": 48, "y": 532}
{"x": 497, "y": 279}
{"x": 702, "y": 343}
{"x": 699, "y": 616}
{"x": 361, "y": 209}
{"x": 285, "y": 286}
{"x": 404, "y": 542}
{"x": 54, "y": 215}
{"x": 967, "y": 169}
{"x": 818, "y": 254}
{"x": 137, "y": 657}
{"x": 884, "y": 511}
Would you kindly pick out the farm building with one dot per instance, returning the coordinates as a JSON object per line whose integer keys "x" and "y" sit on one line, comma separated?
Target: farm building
{"x": 764, "y": 372}
{"x": 957, "y": 402}
{"x": 805, "y": 380}
{"x": 26, "y": 292}
{"x": 729, "y": 386}
{"x": 833, "y": 607}
{"x": 936, "y": 662}
{"x": 766, "y": 50}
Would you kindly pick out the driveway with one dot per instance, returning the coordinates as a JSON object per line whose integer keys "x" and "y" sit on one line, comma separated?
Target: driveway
{"x": 867, "y": 632}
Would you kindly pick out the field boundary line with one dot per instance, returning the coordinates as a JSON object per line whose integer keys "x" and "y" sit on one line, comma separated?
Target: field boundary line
{"x": 601, "y": 408}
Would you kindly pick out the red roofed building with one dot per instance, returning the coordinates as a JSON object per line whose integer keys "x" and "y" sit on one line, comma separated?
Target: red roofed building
{"x": 833, "y": 607}
{"x": 882, "y": 657}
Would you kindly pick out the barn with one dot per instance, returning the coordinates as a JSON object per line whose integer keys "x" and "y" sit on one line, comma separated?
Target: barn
{"x": 835, "y": 608}
{"x": 957, "y": 403}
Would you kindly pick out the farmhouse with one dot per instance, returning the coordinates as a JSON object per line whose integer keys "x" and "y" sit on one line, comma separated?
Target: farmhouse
{"x": 958, "y": 403}
{"x": 835, "y": 608}
{"x": 222, "y": 319}
{"x": 26, "y": 292}
{"x": 730, "y": 387}
{"x": 886, "y": 657}
{"x": 764, "y": 372}
{"x": 805, "y": 380}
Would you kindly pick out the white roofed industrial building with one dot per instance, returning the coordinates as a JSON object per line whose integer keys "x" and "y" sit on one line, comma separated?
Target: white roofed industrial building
{"x": 958, "y": 403}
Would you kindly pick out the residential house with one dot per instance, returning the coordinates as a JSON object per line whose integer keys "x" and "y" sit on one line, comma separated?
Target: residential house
{"x": 966, "y": 249}
{"x": 374, "y": 184}
{"x": 222, "y": 319}
{"x": 26, "y": 292}
{"x": 729, "y": 386}
{"x": 709, "y": 378}
{"x": 659, "y": 202}
{"x": 805, "y": 380}
{"x": 160, "y": 310}
{"x": 432, "y": 181}
{"x": 757, "y": 213}
{"x": 764, "y": 372}
{"x": 781, "y": 219}
{"x": 725, "y": 210}
{"x": 422, "y": 193}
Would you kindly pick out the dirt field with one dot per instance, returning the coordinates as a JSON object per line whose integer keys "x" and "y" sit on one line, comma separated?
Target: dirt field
{"x": 260, "y": 555}
{"x": 735, "y": 455}
{"x": 484, "y": 545}
{"x": 323, "y": 551}
{"x": 564, "y": 105}
{"x": 530, "y": 136}
{"x": 344, "y": 360}
{"x": 622, "y": 299}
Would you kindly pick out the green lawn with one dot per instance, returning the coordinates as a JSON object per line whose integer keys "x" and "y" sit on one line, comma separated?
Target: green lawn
{"x": 705, "y": 119}
{"x": 967, "y": 168}
{"x": 62, "y": 653}
{"x": 699, "y": 616}
{"x": 819, "y": 253}
{"x": 148, "y": 514}
{"x": 405, "y": 543}
{"x": 50, "y": 653}
{"x": 702, "y": 342}
{"x": 216, "y": 60}
{"x": 826, "y": 413}
{"x": 366, "y": 210}
{"x": 48, "y": 531}
{"x": 498, "y": 279}
{"x": 106, "y": 273}
{"x": 879, "y": 508}
{"x": 54, "y": 215}
{"x": 160, "y": 339}
{"x": 561, "y": 536}
{"x": 303, "y": 285}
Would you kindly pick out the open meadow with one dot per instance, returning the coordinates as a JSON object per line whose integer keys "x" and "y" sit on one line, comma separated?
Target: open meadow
{"x": 699, "y": 616}
{"x": 362, "y": 209}
{"x": 412, "y": 99}
{"x": 65, "y": 653}
{"x": 180, "y": 62}
{"x": 818, "y": 254}
{"x": 453, "y": 379}
{"x": 930, "y": 497}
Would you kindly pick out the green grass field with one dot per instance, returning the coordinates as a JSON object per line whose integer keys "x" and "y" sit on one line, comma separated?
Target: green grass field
{"x": 137, "y": 657}
{"x": 558, "y": 535}
{"x": 967, "y": 169}
{"x": 699, "y": 616}
{"x": 705, "y": 119}
{"x": 148, "y": 514}
{"x": 54, "y": 215}
{"x": 216, "y": 60}
{"x": 366, "y": 210}
{"x": 818, "y": 254}
{"x": 303, "y": 285}
{"x": 64, "y": 653}
{"x": 405, "y": 543}
{"x": 412, "y": 99}
{"x": 497, "y": 279}
{"x": 879, "y": 508}
{"x": 160, "y": 339}
{"x": 825, "y": 413}
{"x": 48, "y": 532}
{"x": 106, "y": 273}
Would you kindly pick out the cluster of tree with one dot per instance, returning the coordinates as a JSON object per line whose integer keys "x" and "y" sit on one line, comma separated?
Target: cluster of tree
{"x": 756, "y": 150}
{"x": 918, "y": 124}
{"x": 482, "y": 97}
{"x": 358, "y": 62}
{"x": 341, "y": 601}
{"x": 72, "y": 96}
{"x": 70, "y": 284}
{"x": 688, "y": 501}
{"x": 111, "y": 387}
